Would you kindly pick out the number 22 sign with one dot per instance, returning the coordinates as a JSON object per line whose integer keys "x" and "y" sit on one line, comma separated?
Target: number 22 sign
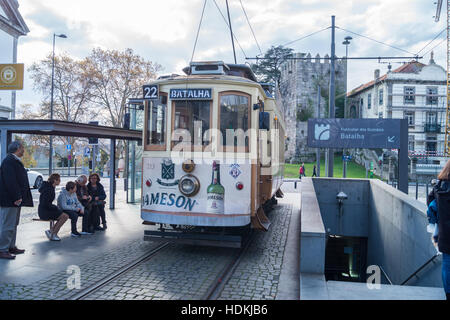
{"x": 151, "y": 91}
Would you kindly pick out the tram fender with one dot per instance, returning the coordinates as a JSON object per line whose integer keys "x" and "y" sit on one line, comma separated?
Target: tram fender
{"x": 260, "y": 220}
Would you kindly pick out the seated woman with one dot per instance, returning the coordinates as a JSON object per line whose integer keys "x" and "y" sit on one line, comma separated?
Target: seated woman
{"x": 85, "y": 199}
{"x": 47, "y": 210}
{"x": 68, "y": 203}
{"x": 97, "y": 192}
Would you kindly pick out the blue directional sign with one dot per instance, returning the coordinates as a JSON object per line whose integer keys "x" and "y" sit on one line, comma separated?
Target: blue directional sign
{"x": 69, "y": 147}
{"x": 87, "y": 152}
{"x": 354, "y": 133}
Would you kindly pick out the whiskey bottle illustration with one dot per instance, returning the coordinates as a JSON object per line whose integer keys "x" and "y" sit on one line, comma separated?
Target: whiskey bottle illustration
{"x": 215, "y": 192}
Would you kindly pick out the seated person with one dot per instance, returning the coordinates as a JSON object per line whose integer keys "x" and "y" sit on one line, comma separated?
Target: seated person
{"x": 85, "y": 199}
{"x": 68, "y": 203}
{"x": 47, "y": 210}
{"x": 97, "y": 192}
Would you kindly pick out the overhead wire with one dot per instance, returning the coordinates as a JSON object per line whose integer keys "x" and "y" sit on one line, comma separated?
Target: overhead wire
{"x": 380, "y": 42}
{"x": 304, "y": 37}
{"x": 198, "y": 30}
{"x": 432, "y": 40}
{"x": 443, "y": 40}
{"x": 250, "y": 25}
{"x": 226, "y": 22}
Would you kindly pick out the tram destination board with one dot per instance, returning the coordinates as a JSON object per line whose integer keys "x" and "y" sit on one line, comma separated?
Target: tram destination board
{"x": 354, "y": 133}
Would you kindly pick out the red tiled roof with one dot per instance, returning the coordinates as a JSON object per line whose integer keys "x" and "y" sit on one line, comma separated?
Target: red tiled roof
{"x": 410, "y": 67}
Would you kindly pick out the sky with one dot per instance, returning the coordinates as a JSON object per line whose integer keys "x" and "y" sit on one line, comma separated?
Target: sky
{"x": 164, "y": 31}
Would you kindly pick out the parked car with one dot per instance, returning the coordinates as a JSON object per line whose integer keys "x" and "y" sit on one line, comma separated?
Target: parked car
{"x": 34, "y": 179}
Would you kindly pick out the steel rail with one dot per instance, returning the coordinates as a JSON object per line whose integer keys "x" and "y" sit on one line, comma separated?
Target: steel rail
{"x": 89, "y": 290}
{"x": 221, "y": 280}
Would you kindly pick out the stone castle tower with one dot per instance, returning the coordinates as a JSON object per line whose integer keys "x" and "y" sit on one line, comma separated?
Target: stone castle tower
{"x": 299, "y": 84}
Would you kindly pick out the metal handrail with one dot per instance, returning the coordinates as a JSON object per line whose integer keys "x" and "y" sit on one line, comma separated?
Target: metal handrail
{"x": 385, "y": 275}
{"x": 418, "y": 270}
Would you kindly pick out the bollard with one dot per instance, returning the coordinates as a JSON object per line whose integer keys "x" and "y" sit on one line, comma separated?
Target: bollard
{"x": 417, "y": 189}
{"x": 295, "y": 184}
{"x": 426, "y": 189}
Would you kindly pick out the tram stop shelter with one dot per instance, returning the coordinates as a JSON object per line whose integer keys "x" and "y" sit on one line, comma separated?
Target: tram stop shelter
{"x": 72, "y": 129}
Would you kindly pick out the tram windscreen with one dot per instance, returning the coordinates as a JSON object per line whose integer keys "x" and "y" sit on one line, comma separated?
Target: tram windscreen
{"x": 194, "y": 117}
{"x": 234, "y": 115}
{"x": 156, "y": 126}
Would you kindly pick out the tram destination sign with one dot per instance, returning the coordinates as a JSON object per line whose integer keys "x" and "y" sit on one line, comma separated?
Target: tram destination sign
{"x": 354, "y": 133}
{"x": 190, "y": 94}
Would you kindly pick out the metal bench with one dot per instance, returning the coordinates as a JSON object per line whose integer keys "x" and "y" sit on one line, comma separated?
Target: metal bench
{"x": 52, "y": 222}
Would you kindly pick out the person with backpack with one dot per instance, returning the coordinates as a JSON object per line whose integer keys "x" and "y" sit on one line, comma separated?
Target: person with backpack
{"x": 300, "y": 172}
{"x": 438, "y": 202}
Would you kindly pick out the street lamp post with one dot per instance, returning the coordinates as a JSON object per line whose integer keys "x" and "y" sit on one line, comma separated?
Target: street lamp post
{"x": 50, "y": 161}
{"x": 346, "y": 43}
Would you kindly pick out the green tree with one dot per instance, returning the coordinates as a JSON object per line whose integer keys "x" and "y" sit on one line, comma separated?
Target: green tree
{"x": 268, "y": 68}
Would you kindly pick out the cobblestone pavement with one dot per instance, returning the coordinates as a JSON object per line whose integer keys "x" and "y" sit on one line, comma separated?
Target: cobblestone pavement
{"x": 186, "y": 272}
{"x": 93, "y": 270}
{"x": 177, "y": 272}
{"x": 257, "y": 275}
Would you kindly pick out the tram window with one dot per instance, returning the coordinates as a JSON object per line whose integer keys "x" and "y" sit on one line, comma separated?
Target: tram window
{"x": 234, "y": 114}
{"x": 156, "y": 122}
{"x": 195, "y": 117}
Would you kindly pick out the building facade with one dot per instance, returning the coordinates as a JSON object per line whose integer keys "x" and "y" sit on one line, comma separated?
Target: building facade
{"x": 303, "y": 83}
{"x": 12, "y": 26}
{"x": 416, "y": 92}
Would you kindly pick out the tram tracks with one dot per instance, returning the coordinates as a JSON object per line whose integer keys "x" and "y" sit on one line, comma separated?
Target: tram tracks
{"x": 113, "y": 276}
{"x": 214, "y": 291}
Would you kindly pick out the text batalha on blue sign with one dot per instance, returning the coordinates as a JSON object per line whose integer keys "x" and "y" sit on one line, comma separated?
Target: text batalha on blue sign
{"x": 190, "y": 94}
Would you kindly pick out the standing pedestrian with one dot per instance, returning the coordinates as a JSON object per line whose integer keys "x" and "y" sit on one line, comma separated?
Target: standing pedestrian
{"x": 441, "y": 194}
{"x": 304, "y": 169}
{"x": 314, "y": 172}
{"x": 14, "y": 194}
{"x": 300, "y": 172}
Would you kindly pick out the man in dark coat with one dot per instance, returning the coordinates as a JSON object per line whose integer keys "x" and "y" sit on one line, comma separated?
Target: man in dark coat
{"x": 14, "y": 194}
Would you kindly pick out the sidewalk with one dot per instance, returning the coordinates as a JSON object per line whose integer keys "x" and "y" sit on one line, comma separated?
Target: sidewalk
{"x": 41, "y": 273}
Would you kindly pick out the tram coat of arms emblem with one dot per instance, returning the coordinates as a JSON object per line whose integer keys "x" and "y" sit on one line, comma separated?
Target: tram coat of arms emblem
{"x": 235, "y": 171}
{"x": 168, "y": 170}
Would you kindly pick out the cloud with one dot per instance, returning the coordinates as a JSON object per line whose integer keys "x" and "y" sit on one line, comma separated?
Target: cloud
{"x": 165, "y": 31}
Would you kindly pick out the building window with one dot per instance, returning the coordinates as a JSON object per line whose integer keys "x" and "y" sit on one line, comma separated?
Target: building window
{"x": 361, "y": 102}
{"x": 411, "y": 143}
{"x": 432, "y": 98}
{"x": 380, "y": 97}
{"x": 409, "y": 95}
{"x": 431, "y": 145}
{"x": 409, "y": 115}
{"x": 431, "y": 117}
{"x": 369, "y": 101}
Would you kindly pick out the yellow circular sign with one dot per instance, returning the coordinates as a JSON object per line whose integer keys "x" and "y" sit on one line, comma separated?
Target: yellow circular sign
{"x": 8, "y": 74}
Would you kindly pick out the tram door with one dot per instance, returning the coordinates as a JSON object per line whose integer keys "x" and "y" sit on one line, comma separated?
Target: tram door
{"x": 134, "y": 156}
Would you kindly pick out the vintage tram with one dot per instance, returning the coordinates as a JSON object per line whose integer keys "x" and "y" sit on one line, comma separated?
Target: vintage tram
{"x": 213, "y": 154}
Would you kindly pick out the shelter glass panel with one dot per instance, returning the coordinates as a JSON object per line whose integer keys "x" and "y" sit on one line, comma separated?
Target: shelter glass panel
{"x": 156, "y": 122}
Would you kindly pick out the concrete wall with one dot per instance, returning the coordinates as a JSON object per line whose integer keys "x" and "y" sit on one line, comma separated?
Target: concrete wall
{"x": 394, "y": 223}
{"x": 313, "y": 239}
{"x": 398, "y": 240}
{"x": 355, "y": 212}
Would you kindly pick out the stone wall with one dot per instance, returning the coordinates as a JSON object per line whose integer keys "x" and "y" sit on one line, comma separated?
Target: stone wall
{"x": 299, "y": 92}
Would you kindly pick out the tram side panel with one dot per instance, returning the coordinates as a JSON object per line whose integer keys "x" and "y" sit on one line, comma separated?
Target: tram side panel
{"x": 163, "y": 202}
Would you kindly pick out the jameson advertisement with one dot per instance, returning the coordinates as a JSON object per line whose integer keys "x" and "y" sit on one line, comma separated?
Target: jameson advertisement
{"x": 354, "y": 133}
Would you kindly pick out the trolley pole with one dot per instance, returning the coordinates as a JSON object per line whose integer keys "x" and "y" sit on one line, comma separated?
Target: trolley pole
{"x": 332, "y": 113}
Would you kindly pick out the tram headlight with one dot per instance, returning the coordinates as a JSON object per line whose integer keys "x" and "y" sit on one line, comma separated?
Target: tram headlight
{"x": 189, "y": 185}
